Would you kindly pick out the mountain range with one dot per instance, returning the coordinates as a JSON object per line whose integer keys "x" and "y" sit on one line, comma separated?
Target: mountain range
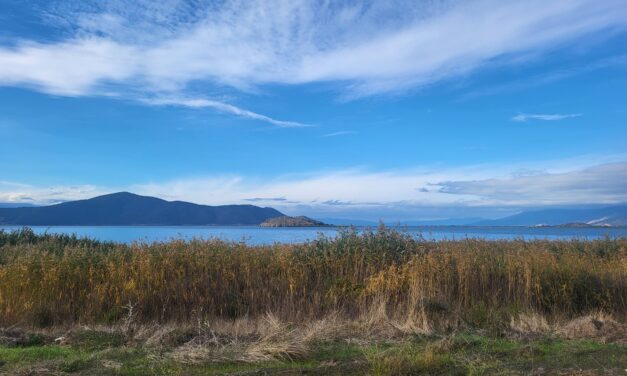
{"x": 123, "y": 208}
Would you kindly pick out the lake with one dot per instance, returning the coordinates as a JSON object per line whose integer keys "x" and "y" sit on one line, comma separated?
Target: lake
{"x": 258, "y": 235}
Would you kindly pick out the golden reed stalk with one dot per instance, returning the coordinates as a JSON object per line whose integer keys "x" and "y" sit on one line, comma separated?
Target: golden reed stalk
{"x": 59, "y": 279}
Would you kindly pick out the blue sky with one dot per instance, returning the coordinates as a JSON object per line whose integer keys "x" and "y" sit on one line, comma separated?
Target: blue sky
{"x": 373, "y": 110}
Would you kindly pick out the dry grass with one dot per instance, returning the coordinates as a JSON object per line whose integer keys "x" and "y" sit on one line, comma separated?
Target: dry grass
{"x": 334, "y": 343}
{"x": 278, "y": 342}
{"x": 263, "y": 339}
{"x": 530, "y": 323}
{"x": 390, "y": 281}
{"x": 597, "y": 326}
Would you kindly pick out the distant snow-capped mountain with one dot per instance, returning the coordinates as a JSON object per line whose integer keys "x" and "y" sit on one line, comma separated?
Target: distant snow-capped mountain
{"x": 605, "y": 216}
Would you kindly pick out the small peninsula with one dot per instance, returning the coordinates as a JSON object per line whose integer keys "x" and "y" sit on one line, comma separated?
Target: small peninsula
{"x": 287, "y": 221}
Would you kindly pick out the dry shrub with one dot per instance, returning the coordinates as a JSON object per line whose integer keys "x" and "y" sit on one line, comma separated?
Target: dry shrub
{"x": 416, "y": 323}
{"x": 263, "y": 339}
{"x": 597, "y": 326}
{"x": 197, "y": 354}
{"x": 530, "y": 323}
{"x": 329, "y": 328}
{"x": 278, "y": 341}
{"x": 167, "y": 335}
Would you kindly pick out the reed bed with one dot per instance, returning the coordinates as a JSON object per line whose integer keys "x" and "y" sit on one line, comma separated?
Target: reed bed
{"x": 63, "y": 280}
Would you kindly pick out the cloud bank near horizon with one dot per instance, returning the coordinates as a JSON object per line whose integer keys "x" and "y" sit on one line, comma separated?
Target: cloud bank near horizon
{"x": 396, "y": 195}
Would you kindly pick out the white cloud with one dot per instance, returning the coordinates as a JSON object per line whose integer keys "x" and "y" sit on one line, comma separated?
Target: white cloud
{"x": 467, "y": 186}
{"x": 13, "y": 192}
{"x": 368, "y": 49}
{"x": 70, "y": 68}
{"x": 544, "y": 117}
{"x": 597, "y": 184}
{"x": 222, "y": 107}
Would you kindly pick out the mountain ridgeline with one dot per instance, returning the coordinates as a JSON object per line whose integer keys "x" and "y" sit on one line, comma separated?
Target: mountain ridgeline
{"x": 127, "y": 209}
{"x": 120, "y": 209}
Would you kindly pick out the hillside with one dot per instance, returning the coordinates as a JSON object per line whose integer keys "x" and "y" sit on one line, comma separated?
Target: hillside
{"x": 123, "y": 208}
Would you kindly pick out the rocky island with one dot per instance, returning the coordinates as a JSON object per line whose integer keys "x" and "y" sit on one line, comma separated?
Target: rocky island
{"x": 287, "y": 221}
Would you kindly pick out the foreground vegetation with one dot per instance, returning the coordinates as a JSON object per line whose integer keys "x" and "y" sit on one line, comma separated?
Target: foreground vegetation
{"x": 55, "y": 279}
{"x": 379, "y": 302}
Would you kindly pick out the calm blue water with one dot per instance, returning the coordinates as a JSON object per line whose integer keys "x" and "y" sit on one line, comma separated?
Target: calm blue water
{"x": 258, "y": 235}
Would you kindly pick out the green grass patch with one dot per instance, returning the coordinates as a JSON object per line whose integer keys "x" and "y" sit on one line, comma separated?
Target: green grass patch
{"x": 462, "y": 354}
{"x": 97, "y": 340}
{"x": 411, "y": 359}
{"x": 336, "y": 351}
{"x": 35, "y": 353}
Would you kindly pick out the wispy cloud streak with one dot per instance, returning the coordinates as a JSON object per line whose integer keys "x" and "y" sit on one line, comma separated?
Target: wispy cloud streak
{"x": 222, "y": 107}
{"x": 543, "y": 117}
{"x": 340, "y": 133}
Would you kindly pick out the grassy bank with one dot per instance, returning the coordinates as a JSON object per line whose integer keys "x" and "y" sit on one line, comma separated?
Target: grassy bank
{"x": 380, "y": 303}
{"x": 175, "y": 351}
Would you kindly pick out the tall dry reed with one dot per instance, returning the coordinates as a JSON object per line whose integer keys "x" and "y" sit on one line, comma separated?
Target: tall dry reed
{"x": 58, "y": 279}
